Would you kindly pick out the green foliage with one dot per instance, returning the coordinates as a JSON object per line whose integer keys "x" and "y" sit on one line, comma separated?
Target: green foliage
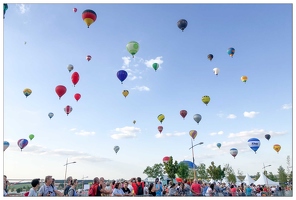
{"x": 272, "y": 177}
{"x": 240, "y": 175}
{"x": 183, "y": 171}
{"x": 257, "y": 176}
{"x": 229, "y": 173}
{"x": 171, "y": 168}
{"x": 216, "y": 173}
{"x": 156, "y": 171}
{"x": 282, "y": 176}
{"x": 201, "y": 172}
{"x": 18, "y": 190}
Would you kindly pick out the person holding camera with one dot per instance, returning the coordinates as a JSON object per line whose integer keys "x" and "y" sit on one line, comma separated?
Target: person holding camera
{"x": 48, "y": 189}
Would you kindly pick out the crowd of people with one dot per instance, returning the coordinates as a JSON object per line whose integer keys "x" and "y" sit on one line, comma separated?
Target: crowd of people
{"x": 138, "y": 187}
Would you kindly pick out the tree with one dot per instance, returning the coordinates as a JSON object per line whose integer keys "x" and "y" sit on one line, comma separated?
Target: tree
{"x": 201, "y": 172}
{"x": 12, "y": 189}
{"x": 288, "y": 165}
{"x": 183, "y": 171}
{"x": 229, "y": 173}
{"x": 61, "y": 186}
{"x": 257, "y": 176}
{"x": 171, "y": 168}
{"x": 282, "y": 176}
{"x": 18, "y": 190}
{"x": 216, "y": 173}
{"x": 272, "y": 177}
{"x": 240, "y": 175}
{"x": 156, "y": 171}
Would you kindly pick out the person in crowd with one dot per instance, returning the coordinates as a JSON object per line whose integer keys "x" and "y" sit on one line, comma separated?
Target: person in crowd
{"x": 33, "y": 192}
{"x": 72, "y": 191}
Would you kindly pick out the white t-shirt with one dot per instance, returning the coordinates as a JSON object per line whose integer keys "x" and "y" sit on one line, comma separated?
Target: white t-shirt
{"x": 117, "y": 191}
{"x": 32, "y": 193}
{"x": 208, "y": 192}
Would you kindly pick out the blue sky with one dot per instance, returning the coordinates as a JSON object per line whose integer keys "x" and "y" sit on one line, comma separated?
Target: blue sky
{"x": 55, "y": 37}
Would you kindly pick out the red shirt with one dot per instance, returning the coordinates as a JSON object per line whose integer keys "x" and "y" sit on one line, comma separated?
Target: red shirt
{"x": 135, "y": 187}
{"x": 196, "y": 188}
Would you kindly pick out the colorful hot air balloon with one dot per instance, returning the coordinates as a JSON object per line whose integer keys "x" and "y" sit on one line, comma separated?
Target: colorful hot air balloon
{"x": 134, "y": 121}
{"x": 89, "y": 17}
{"x": 244, "y": 79}
{"x": 155, "y": 66}
{"x": 231, "y": 51}
{"x": 70, "y": 67}
{"x": 31, "y": 136}
{"x": 210, "y": 57}
{"x": 68, "y": 109}
{"x": 5, "y": 145}
{"x": 77, "y": 96}
{"x": 125, "y": 93}
{"x": 75, "y": 10}
{"x": 27, "y": 92}
{"x": 116, "y": 149}
{"x": 160, "y": 118}
{"x": 183, "y": 113}
{"x": 267, "y": 136}
{"x": 197, "y": 118}
{"x": 133, "y": 47}
{"x": 160, "y": 128}
{"x": 22, "y": 143}
{"x": 166, "y": 159}
{"x": 60, "y": 90}
{"x": 193, "y": 134}
{"x": 5, "y": 7}
{"x": 219, "y": 145}
{"x": 233, "y": 152}
{"x": 206, "y": 99}
{"x": 216, "y": 71}
{"x": 277, "y": 147}
{"x": 121, "y": 75}
{"x": 182, "y": 24}
{"x": 88, "y": 58}
{"x": 75, "y": 78}
{"x": 254, "y": 144}
{"x": 50, "y": 115}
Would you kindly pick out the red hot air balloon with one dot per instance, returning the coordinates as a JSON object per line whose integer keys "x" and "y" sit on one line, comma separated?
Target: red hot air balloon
{"x": 75, "y": 10}
{"x": 60, "y": 90}
{"x": 160, "y": 128}
{"x": 183, "y": 113}
{"x": 166, "y": 159}
{"x": 75, "y": 78}
{"x": 77, "y": 96}
{"x": 88, "y": 58}
{"x": 68, "y": 109}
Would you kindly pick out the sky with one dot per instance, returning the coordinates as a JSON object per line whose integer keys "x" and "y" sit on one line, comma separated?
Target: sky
{"x": 41, "y": 40}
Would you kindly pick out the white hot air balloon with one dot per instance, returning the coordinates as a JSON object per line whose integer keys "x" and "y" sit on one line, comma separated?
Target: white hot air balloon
{"x": 216, "y": 71}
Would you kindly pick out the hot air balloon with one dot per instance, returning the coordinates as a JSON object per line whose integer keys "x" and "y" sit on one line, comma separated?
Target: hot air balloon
{"x": 155, "y": 66}
{"x": 267, "y": 136}
{"x": 22, "y": 143}
{"x": 160, "y": 118}
{"x": 216, "y": 71}
{"x": 233, "y": 152}
{"x": 254, "y": 144}
{"x": 125, "y": 93}
{"x": 75, "y": 10}
{"x": 89, "y": 17}
{"x": 77, "y": 96}
{"x": 244, "y": 78}
{"x": 160, "y": 128}
{"x": 5, "y": 145}
{"x": 50, "y": 115}
{"x": 27, "y": 92}
{"x": 205, "y": 99}
{"x": 5, "y": 7}
{"x": 75, "y": 78}
{"x": 231, "y": 51}
{"x": 182, "y": 24}
{"x": 197, "y": 118}
{"x": 277, "y": 147}
{"x": 134, "y": 121}
{"x": 133, "y": 47}
{"x": 166, "y": 159}
{"x": 31, "y": 136}
{"x": 70, "y": 67}
{"x": 88, "y": 58}
{"x": 68, "y": 109}
{"x": 60, "y": 90}
{"x": 193, "y": 133}
{"x": 183, "y": 113}
{"x": 25, "y": 42}
{"x": 219, "y": 145}
{"x": 116, "y": 149}
{"x": 210, "y": 57}
{"x": 121, "y": 75}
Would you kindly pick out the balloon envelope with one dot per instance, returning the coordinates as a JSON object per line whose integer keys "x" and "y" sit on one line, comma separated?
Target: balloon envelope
{"x": 230, "y": 51}
{"x": 116, "y": 149}
{"x": 121, "y": 75}
{"x": 183, "y": 113}
{"x": 193, "y": 134}
{"x": 31, "y": 136}
{"x": 155, "y": 66}
{"x": 68, "y": 109}
{"x": 70, "y": 67}
{"x": 125, "y": 93}
{"x": 133, "y": 47}
{"x": 5, "y": 145}
{"x": 160, "y": 128}
{"x": 197, "y": 118}
{"x": 277, "y": 147}
{"x": 22, "y": 143}
{"x": 206, "y": 99}
{"x": 60, "y": 90}
{"x": 75, "y": 78}
{"x": 134, "y": 121}
{"x": 216, "y": 71}
{"x": 219, "y": 145}
{"x": 267, "y": 136}
{"x": 27, "y": 92}
{"x": 166, "y": 159}
{"x": 254, "y": 144}
{"x": 89, "y": 17}
{"x": 182, "y": 24}
{"x": 233, "y": 152}
{"x": 210, "y": 57}
{"x": 88, "y": 57}
{"x": 189, "y": 164}
{"x": 50, "y": 115}
{"x": 244, "y": 78}
{"x": 161, "y": 117}
{"x": 77, "y": 96}
{"x": 74, "y": 9}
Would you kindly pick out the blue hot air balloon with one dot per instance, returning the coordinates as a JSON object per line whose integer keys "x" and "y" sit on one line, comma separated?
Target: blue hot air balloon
{"x": 233, "y": 152}
{"x": 5, "y": 145}
{"x": 219, "y": 145}
{"x": 50, "y": 115}
{"x": 22, "y": 143}
{"x": 121, "y": 75}
{"x": 254, "y": 144}
{"x": 231, "y": 51}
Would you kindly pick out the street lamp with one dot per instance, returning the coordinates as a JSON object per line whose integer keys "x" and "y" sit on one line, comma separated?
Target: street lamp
{"x": 266, "y": 172}
{"x": 67, "y": 163}
{"x": 193, "y": 154}
{"x": 83, "y": 181}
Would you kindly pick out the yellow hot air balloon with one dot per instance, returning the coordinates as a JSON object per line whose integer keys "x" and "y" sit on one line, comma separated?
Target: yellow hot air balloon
{"x": 193, "y": 134}
{"x": 125, "y": 93}
{"x": 134, "y": 121}
{"x": 27, "y": 92}
{"x": 206, "y": 99}
{"x": 160, "y": 118}
{"x": 244, "y": 78}
{"x": 277, "y": 147}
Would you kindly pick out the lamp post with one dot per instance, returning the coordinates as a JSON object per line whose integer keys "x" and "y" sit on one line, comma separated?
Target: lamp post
{"x": 193, "y": 155}
{"x": 266, "y": 172}
{"x": 67, "y": 163}
{"x": 83, "y": 181}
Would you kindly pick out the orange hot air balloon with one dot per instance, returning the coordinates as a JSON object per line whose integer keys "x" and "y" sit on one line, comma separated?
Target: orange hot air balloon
{"x": 277, "y": 147}
{"x": 244, "y": 78}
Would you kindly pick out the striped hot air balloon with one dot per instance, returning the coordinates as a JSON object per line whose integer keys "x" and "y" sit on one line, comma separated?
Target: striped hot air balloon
{"x": 89, "y": 17}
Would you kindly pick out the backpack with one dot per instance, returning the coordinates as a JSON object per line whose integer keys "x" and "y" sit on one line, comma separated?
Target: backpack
{"x": 93, "y": 190}
{"x": 140, "y": 189}
{"x": 66, "y": 191}
{"x": 26, "y": 194}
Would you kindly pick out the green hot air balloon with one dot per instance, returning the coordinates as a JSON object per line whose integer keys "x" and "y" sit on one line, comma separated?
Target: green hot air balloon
{"x": 155, "y": 66}
{"x": 31, "y": 136}
{"x": 5, "y": 7}
{"x": 133, "y": 47}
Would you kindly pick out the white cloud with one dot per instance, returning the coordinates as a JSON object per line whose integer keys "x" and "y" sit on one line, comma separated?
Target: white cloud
{"x": 85, "y": 133}
{"x": 126, "y": 132}
{"x": 218, "y": 133}
{"x": 126, "y": 61}
{"x": 287, "y": 106}
{"x": 23, "y": 8}
{"x": 220, "y": 114}
{"x": 260, "y": 133}
{"x": 250, "y": 114}
{"x": 231, "y": 116}
{"x": 150, "y": 62}
{"x": 141, "y": 88}
{"x": 163, "y": 135}
{"x": 73, "y": 129}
